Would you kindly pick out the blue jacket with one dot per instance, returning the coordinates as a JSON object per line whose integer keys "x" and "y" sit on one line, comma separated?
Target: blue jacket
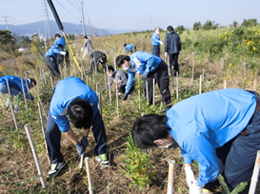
{"x": 67, "y": 90}
{"x": 141, "y": 62}
{"x": 15, "y": 82}
{"x": 60, "y": 41}
{"x": 204, "y": 122}
{"x": 52, "y": 52}
{"x": 155, "y": 39}
{"x": 172, "y": 43}
{"x": 128, "y": 47}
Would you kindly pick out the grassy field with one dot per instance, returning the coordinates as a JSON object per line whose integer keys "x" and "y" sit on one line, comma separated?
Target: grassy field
{"x": 219, "y": 57}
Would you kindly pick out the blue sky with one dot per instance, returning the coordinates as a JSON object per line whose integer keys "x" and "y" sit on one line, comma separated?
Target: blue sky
{"x": 132, "y": 14}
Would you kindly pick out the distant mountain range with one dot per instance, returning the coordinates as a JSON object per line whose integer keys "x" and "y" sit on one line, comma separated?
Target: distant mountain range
{"x": 39, "y": 28}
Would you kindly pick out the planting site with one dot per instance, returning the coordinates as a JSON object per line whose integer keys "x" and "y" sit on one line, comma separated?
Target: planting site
{"x": 211, "y": 58}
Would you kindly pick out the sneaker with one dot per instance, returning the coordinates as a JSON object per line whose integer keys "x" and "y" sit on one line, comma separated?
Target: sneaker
{"x": 56, "y": 168}
{"x": 102, "y": 159}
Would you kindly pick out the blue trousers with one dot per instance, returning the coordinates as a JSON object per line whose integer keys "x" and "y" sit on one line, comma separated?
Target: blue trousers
{"x": 52, "y": 65}
{"x": 53, "y": 137}
{"x": 238, "y": 156}
{"x": 156, "y": 50}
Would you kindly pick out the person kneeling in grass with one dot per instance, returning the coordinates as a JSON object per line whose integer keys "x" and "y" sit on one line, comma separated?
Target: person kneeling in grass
{"x": 219, "y": 129}
{"x": 120, "y": 77}
{"x": 150, "y": 66}
{"x": 16, "y": 88}
{"x": 73, "y": 98}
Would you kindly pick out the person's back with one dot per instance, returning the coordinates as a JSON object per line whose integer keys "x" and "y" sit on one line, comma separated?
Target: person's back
{"x": 172, "y": 43}
{"x": 69, "y": 89}
{"x": 222, "y": 114}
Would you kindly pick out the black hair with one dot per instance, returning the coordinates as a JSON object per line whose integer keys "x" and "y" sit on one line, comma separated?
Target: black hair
{"x": 170, "y": 28}
{"x": 125, "y": 45}
{"x": 57, "y": 35}
{"x": 110, "y": 68}
{"x": 103, "y": 57}
{"x": 156, "y": 28}
{"x": 80, "y": 113}
{"x": 85, "y": 36}
{"x": 149, "y": 128}
{"x": 120, "y": 60}
{"x": 33, "y": 81}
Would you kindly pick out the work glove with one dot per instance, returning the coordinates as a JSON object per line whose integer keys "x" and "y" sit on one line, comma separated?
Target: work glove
{"x": 195, "y": 189}
{"x": 179, "y": 52}
{"x": 189, "y": 176}
{"x": 84, "y": 142}
{"x": 80, "y": 148}
{"x": 144, "y": 76}
{"x": 81, "y": 49}
{"x": 63, "y": 53}
{"x": 165, "y": 54}
{"x": 161, "y": 42}
{"x": 125, "y": 96}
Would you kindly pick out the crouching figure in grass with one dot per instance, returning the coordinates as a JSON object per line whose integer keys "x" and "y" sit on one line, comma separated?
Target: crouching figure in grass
{"x": 219, "y": 129}
{"x": 73, "y": 98}
{"x": 149, "y": 66}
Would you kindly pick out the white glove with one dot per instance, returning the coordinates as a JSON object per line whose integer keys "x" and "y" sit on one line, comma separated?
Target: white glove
{"x": 161, "y": 42}
{"x": 63, "y": 53}
{"x": 189, "y": 175}
{"x": 179, "y": 52}
{"x": 165, "y": 54}
{"x": 81, "y": 49}
{"x": 195, "y": 189}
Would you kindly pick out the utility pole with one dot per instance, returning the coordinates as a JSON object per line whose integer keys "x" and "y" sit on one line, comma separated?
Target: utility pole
{"x": 90, "y": 25}
{"x": 47, "y": 26}
{"x": 6, "y": 22}
{"x": 83, "y": 21}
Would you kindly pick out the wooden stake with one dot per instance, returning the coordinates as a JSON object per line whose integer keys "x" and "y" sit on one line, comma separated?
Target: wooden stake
{"x": 255, "y": 174}
{"x": 52, "y": 86}
{"x": 193, "y": 66}
{"x": 43, "y": 131}
{"x": 81, "y": 159}
{"x": 200, "y": 89}
{"x": 153, "y": 91}
{"x": 12, "y": 111}
{"x": 89, "y": 175}
{"x": 24, "y": 95}
{"x": 255, "y": 84}
{"x": 117, "y": 104}
{"x": 171, "y": 177}
{"x": 225, "y": 84}
{"x": 35, "y": 156}
{"x": 177, "y": 85}
{"x": 109, "y": 88}
{"x": 100, "y": 103}
{"x": 147, "y": 96}
{"x": 139, "y": 94}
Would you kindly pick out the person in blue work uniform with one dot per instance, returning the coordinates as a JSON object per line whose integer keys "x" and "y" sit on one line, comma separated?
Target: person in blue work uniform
{"x": 156, "y": 42}
{"x": 59, "y": 40}
{"x": 15, "y": 85}
{"x": 173, "y": 49}
{"x": 218, "y": 129}
{"x": 129, "y": 48}
{"x": 75, "y": 100}
{"x": 150, "y": 67}
{"x": 51, "y": 56}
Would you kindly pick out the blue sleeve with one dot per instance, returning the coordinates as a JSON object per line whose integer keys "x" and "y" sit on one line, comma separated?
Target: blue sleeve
{"x": 201, "y": 150}
{"x": 149, "y": 64}
{"x": 130, "y": 81}
{"x": 62, "y": 122}
{"x": 55, "y": 50}
{"x": 186, "y": 157}
{"x": 155, "y": 39}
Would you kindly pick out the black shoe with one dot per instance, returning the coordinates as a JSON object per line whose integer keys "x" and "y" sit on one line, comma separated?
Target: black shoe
{"x": 56, "y": 168}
